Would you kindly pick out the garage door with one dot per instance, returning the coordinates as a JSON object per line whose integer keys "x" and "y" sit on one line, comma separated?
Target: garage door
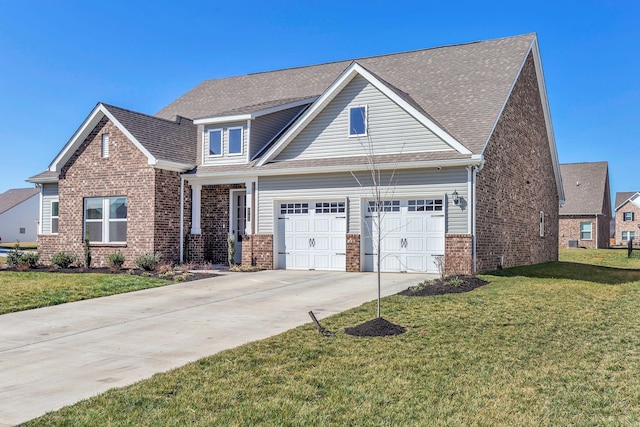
{"x": 412, "y": 235}
{"x": 311, "y": 235}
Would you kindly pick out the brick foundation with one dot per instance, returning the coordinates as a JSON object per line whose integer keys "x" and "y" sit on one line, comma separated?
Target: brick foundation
{"x": 262, "y": 251}
{"x": 195, "y": 248}
{"x": 353, "y": 253}
{"x": 458, "y": 254}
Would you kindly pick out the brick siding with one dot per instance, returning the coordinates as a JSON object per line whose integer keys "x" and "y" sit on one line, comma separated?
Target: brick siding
{"x": 353, "y": 253}
{"x": 570, "y": 230}
{"x": 150, "y": 226}
{"x": 622, "y": 225}
{"x": 458, "y": 254}
{"x": 516, "y": 183}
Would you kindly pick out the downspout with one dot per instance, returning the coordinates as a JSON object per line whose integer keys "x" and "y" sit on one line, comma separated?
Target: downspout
{"x": 41, "y": 196}
{"x": 474, "y": 200}
{"x": 181, "y": 219}
{"x": 597, "y": 233}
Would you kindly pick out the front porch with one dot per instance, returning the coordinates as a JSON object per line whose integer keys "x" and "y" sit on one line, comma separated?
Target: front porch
{"x": 214, "y": 210}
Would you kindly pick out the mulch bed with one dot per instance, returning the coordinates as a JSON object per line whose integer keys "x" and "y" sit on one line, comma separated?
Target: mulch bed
{"x": 378, "y": 327}
{"x": 439, "y": 287}
{"x": 105, "y": 270}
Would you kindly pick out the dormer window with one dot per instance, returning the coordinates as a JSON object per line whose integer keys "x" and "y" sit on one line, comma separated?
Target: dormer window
{"x": 358, "y": 121}
{"x": 235, "y": 140}
{"x": 215, "y": 142}
{"x": 105, "y": 145}
{"x": 225, "y": 141}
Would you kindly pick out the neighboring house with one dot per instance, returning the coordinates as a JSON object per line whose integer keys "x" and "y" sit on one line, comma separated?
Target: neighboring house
{"x": 627, "y": 217}
{"x": 19, "y": 215}
{"x": 585, "y": 218}
{"x": 461, "y": 135}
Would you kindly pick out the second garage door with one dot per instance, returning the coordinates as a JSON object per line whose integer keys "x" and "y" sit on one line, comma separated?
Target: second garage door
{"x": 412, "y": 235}
{"x": 311, "y": 235}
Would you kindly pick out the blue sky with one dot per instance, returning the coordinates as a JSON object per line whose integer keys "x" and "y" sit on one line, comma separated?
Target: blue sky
{"x": 58, "y": 59}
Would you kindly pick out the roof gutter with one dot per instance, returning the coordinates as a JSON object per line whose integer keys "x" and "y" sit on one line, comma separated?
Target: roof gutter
{"x": 171, "y": 166}
{"x": 473, "y": 161}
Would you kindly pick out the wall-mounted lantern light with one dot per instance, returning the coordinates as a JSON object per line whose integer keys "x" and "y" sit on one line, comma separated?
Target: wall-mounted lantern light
{"x": 456, "y": 199}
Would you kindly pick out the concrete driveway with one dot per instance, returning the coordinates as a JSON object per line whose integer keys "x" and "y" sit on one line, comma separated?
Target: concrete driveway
{"x": 53, "y": 357}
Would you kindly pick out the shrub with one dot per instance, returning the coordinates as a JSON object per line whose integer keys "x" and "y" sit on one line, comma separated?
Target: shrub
{"x": 63, "y": 259}
{"x": 16, "y": 258}
{"x": 165, "y": 267}
{"x": 148, "y": 261}
{"x": 115, "y": 261}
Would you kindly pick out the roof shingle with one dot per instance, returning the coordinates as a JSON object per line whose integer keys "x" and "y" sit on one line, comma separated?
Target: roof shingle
{"x": 585, "y": 187}
{"x": 14, "y": 197}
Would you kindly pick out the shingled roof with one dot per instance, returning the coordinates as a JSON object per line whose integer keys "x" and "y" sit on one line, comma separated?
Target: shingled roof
{"x": 585, "y": 188}
{"x": 462, "y": 87}
{"x": 14, "y": 197}
{"x": 623, "y": 196}
{"x": 171, "y": 140}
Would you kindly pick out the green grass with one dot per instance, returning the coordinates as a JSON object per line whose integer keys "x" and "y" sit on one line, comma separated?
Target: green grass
{"x": 23, "y": 245}
{"x": 26, "y": 290}
{"x": 556, "y": 344}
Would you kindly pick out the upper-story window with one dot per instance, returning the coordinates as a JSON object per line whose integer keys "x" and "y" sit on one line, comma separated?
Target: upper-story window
{"x": 225, "y": 141}
{"x": 215, "y": 142}
{"x": 358, "y": 121}
{"x": 627, "y": 216}
{"x": 235, "y": 140}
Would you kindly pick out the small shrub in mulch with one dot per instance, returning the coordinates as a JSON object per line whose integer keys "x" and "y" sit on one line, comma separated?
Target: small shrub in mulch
{"x": 378, "y": 327}
{"x": 450, "y": 285}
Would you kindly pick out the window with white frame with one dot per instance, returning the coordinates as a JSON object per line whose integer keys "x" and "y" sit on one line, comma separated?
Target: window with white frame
{"x": 628, "y": 216}
{"x": 585, "y": 231}
{"x": 54, "y": 217}
{"x": 215, "y": 142}
{"x": 358, "y": 121}
{"x": 628, "y": 235}
{"x": 105, "y": 145}
{"x": 235, "y": 140}
{"x": 105, "y": 219}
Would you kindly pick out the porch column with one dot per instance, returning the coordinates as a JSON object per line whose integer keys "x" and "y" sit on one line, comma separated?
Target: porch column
{"x": 196, "y": 189}
{"x": 249, "y": 208}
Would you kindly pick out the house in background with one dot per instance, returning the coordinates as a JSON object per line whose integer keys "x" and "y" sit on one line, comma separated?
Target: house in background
{"x": 627, "y": 217}
{"x": 461, "y": 136}
{"x": 585, "y": 218}
{"x": 19, "y": 215}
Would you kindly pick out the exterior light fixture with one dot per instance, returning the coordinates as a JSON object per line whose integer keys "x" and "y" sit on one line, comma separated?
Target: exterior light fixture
{"x": 456, "y": 199}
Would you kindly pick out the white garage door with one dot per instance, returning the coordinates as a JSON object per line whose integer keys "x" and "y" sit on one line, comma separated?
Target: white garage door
{"x": 311, "y": 236}
{"x": 412, "y": 235}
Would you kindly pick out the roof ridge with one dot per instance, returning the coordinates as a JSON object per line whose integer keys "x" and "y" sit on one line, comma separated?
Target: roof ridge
{"x": 177, "y": 121}
{"x": 351, "y": 60}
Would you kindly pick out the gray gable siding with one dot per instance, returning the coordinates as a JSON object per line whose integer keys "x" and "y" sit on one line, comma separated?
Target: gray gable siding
{"x": 390, "y": 128}
{"x": 264, "y": 128}
{"x": 226, "y": 158}
{"x": 414, "y": 183}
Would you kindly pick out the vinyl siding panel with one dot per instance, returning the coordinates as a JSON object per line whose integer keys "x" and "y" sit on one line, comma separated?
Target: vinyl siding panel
{"x": 264, "y": 128}
{"x": 415, "y": 183}
{"x": 390, "y": 128}
{"x": 226, "y": 158}
{"x": 49, "y": 194}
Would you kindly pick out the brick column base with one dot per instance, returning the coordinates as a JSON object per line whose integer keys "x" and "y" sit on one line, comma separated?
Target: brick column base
{"x": 458, "y": 254}
{"x": 48, "y": 245}
{"x": 257, "y": 250}
{"x": 353, "y": 253}
{"x": 195, "y": 248}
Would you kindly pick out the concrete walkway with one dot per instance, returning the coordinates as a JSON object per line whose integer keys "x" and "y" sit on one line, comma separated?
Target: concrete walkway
{"x": 53, "y": 357}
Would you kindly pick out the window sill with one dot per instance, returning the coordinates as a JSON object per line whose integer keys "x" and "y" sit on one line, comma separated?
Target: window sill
{"x": 107, "y": 245}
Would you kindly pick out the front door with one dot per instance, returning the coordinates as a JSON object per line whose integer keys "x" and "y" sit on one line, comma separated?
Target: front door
{"x": 238, "y": 221}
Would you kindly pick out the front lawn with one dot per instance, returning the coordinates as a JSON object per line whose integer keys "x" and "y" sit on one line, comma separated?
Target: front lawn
{"x": 556, "y": 344}
{"x": 27, "y": 290}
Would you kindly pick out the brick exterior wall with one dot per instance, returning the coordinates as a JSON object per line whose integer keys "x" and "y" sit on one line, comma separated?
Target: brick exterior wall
{"x": 458, "y": 254}
{"x": 570, "y": 230}
{"x": 151, "y": 225}
{"x": 516, "y": 183}
{"x": 622, "y": 225}
{"x": 263, "y": 251}
{"x": 353, "y": 253}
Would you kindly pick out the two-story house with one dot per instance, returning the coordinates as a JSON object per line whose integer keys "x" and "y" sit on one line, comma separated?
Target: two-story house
{"x": 627, "y": 217}
{"x": 450, "y": 149}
